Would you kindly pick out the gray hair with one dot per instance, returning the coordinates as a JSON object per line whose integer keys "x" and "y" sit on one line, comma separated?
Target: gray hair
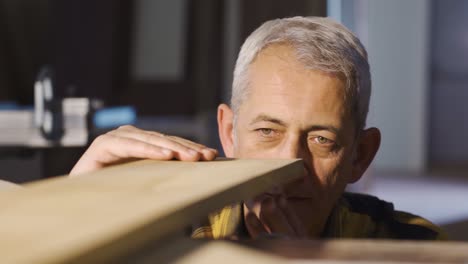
{"x": 320, "y": 44}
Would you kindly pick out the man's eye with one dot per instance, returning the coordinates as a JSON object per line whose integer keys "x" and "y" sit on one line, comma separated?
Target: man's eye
{"x": 265, "y": 131}
{"x": 323, "y": 140}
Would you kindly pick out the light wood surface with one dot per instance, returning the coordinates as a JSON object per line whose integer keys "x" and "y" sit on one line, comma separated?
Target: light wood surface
{"x": 193, "y": 251}
{"x": 115, "y": 211}
{"x": 362, "y": 250}
{"x": 183, "y": 250}
{"x": 136, "y": 213}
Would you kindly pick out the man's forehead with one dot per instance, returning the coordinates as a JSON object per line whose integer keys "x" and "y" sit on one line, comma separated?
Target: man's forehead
{"x": 279, "y": 98}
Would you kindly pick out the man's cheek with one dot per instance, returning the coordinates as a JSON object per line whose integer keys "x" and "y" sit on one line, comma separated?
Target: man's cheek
{"x": 308, "y": 179}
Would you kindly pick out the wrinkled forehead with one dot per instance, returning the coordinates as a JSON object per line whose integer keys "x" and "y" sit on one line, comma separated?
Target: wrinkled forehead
{"x": 277, "y": 70}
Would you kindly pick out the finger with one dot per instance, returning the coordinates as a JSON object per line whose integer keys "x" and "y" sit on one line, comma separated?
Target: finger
{"x": 274, "y": 218}
{"x": 254, "y": 226}
{"x": 118, "y": 148}
{"x": 292, "y": 217}
{"x": 107, "y": 150}
{"x": 181, "y": 152}
{"x": 133, "y": 129}
{"x": 206, "y": 152}
{"x": 187, "y": 142}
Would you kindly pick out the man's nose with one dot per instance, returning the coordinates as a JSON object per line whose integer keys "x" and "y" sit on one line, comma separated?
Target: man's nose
{"x": 294, "y": 148}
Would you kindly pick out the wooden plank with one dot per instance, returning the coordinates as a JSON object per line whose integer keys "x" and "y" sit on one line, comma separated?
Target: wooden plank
{"x": 192, "y": 251}
{"x": 183, "y": 250}
{"x": 117, "y": 210}
{"x": 362, "y": 250}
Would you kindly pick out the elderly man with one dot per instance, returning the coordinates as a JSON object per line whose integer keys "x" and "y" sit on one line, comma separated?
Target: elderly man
{"x": 301, "y": 89}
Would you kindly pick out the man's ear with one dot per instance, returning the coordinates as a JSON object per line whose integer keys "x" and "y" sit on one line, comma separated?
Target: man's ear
{"x": 225, "y": 129}
{"x": 367, "y": 146}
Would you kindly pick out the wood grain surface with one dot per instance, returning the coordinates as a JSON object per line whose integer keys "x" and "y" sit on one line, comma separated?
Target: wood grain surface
{"x": 362, "y": 250}
{"x": 183, "y": 250}
{"x": 112, "y": 212}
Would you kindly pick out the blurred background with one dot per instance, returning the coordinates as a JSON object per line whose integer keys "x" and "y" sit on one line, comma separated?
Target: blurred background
{"x": 166, "y": 64}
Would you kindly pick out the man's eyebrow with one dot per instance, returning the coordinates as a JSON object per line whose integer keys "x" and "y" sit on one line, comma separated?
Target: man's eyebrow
{"x": 330, "y": 128}
{"x": 267, "y": 118}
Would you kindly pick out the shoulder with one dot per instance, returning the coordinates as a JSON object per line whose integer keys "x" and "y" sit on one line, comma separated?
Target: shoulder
{"x": 411, "y": 226}
{"x": 385, "y": 221}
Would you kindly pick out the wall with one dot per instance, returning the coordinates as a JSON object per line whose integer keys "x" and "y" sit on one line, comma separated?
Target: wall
{"x": 449, "y": 90}
{"x": 396, "y": 34}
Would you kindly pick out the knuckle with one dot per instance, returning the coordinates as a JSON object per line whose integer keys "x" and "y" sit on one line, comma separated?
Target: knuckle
{"x": 100, "y": 139}
{"x": 173, "y": 138}
{"x": 146, "y": 148}
{"x": 155, "y": 133}
{"x": 180, "y": 139}
{"x": 115, "y": 140}
{"x": 126, "y": 127}
{"x": 147, "y": 137}
{"x": 157, "y": 136}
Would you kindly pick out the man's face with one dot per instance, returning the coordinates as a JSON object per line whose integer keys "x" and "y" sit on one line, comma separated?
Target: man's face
{"x": 294, "y": 112}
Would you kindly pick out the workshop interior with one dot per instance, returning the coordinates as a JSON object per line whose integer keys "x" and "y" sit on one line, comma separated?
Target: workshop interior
{"x": 72, "y": 70}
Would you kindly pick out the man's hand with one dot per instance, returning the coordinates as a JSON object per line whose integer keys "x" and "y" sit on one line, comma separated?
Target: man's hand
{"x": 130, "y": 143}
{"x": 272, "y": 217}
